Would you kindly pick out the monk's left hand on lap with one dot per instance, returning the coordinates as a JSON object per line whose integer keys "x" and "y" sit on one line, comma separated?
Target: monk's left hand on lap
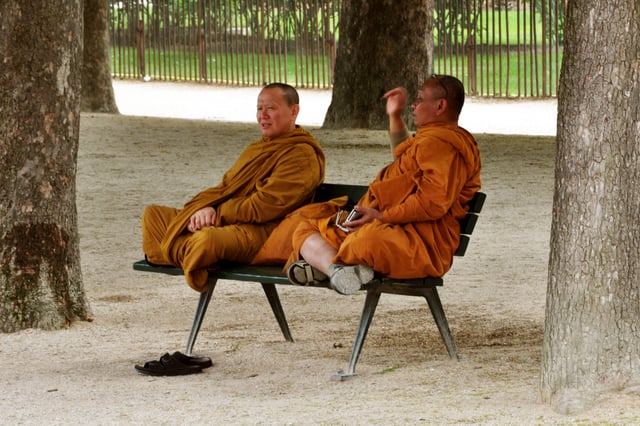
{"x": 202, "y": 218}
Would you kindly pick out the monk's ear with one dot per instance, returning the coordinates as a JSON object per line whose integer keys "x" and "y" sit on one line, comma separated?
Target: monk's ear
{"x": 295, "y": 110}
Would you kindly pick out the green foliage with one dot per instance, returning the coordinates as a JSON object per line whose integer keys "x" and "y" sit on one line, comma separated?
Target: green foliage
{"x": 552, "y": 11}
{"x": 235, "y": 16}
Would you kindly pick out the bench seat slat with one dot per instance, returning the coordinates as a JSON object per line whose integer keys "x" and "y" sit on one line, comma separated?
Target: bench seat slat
{"x": 143, "y": 265}
{"x": 274, "y": 275}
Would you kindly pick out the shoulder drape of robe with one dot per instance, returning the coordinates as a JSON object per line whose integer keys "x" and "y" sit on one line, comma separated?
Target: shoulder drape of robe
{"x": 265, "y": 183}
{"x": 435, "y": 171}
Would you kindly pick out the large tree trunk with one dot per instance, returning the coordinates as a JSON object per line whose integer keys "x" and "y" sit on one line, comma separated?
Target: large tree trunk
{"x": 97, "y": 89}
{"x": 383, "y": 44}
{"x": 40, "y": 53}
{"x": 592, "y": 338}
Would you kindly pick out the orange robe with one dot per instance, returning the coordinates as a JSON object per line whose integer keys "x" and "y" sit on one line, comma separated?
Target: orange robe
{"x": 422, "y": 195}
{"x": 271, "y": 178}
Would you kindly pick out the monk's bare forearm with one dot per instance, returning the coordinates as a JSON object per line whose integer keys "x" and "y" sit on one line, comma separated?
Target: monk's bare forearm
{"x": 397, "y": 136}
{"x": 396, "y": 104}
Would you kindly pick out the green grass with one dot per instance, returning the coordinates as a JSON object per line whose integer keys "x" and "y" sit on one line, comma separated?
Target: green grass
{"x": 504, "y": 28}
{"x": 505, "y": 73}
{"x": 223, "y": 68}
{"x": 512, "y": 75}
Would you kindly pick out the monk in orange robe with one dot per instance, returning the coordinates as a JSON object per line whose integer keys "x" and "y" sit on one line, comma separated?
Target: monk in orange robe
{"x": 231, "y": 221}
{"x": 407, "y": 223}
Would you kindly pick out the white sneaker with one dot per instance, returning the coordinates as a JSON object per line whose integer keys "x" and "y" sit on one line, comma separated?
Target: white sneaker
{"x": 349, "y": 279}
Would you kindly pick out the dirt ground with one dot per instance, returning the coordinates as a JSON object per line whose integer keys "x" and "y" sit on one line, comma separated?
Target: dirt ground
{"x": 494, "y": 299}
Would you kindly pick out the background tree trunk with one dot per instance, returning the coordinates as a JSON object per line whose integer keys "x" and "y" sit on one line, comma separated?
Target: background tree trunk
{"x": 383, "y": 44}
{"x": 40, "y": 277}
{"x": 97, "y": 88}
{"x": 592, "y": 338}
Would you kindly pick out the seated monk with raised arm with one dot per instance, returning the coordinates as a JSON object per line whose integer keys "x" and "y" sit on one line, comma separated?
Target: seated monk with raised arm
{"x": 231, "y": 221}
{"x": 407, "y": 223}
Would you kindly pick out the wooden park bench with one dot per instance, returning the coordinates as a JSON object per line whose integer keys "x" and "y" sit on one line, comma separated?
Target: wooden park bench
{"x": 269, "y": 276}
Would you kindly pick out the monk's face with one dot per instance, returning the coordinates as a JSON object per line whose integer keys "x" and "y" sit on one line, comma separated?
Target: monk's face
{"x": 274, "y": 115}
{"x": 429, "y": 105}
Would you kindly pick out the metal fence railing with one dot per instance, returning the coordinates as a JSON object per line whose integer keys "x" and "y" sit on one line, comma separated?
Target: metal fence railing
{"x": 496, "y": 47}
{"x": 225, "y": 41}
{"x": 500, "y": 48}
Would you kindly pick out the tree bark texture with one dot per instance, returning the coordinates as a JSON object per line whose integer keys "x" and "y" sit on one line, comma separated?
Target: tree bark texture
{"x": 97, "y": 88}
{"x": 592, "y": 331}
{"x": 383, "y": 44}
{"x": 40, "y": 55}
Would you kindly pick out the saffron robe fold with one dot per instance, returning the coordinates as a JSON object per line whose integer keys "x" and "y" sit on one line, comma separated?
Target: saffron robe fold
{"x": 270, "y": 179}
{"x": 422, "y": 196}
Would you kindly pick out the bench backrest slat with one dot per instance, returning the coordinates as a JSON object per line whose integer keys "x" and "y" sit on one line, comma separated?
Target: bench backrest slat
{"x": 328, "y": 191}
{"x": 469, "y": 222}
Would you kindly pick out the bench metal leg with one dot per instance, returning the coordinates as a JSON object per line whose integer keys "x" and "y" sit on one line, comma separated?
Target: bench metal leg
{"x": 431, "y": 294}
{"x": 274, "y": 300}
{"x": 370, "y": 304}
{"x": 201, "y": 309}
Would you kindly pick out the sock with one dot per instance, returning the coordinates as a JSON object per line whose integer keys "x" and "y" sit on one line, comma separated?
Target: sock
{"x": 333, "y": 268}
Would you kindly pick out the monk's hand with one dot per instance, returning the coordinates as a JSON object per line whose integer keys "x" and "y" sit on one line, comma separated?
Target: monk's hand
{"x": 201, "y": 219}
{"x": 364, "y": 215}
{"x": 396, "y": 101}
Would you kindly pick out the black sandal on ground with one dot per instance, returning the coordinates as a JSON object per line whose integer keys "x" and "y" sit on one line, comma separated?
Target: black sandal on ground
{"x": 168, "y": 365}
{"x": 200, "y": 361}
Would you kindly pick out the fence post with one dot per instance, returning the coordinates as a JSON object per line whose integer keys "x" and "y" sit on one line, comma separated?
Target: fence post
{"x": 202, "y": 42}
{"x": 472, "y": 86}
{"x": 140, "y": 47}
